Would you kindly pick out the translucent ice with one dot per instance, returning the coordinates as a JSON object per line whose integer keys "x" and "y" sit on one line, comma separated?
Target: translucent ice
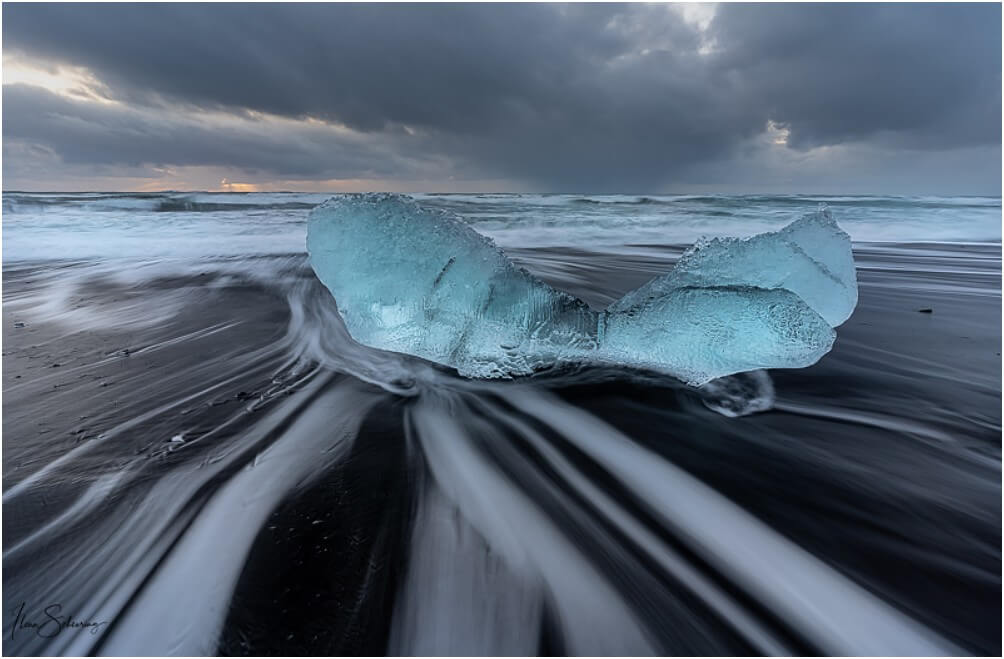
{"x": 421, "y": 281}
{"x": 811, "y": 258}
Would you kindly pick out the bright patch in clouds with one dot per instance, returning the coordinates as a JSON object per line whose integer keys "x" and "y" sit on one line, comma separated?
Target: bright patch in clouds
{"x": 697, "y": 14}
{"x": 71, "y": 81}
{"x": 777, "y": 133}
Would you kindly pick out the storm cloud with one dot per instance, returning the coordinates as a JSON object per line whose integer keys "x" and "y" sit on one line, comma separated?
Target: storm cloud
{"x": 550, "y": 97}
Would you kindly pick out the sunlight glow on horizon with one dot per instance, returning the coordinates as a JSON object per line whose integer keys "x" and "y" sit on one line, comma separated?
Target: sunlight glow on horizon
{"x": 228, "y": 186}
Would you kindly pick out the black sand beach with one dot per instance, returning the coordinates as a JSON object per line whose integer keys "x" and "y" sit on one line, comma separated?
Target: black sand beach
{"x": 145, "y": 420}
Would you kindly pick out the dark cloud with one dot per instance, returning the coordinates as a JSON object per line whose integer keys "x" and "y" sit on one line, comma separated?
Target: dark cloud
{"x": 620, "y": 97}
{"x": 919, "y": 75}
{"x": 455, "y": 66}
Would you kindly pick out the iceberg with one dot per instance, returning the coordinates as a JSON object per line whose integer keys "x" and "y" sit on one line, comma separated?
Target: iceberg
{"x": 421, "y": 281}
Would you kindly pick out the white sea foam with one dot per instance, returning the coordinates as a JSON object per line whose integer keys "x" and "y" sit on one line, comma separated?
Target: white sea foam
{"x": 201, "y": 224}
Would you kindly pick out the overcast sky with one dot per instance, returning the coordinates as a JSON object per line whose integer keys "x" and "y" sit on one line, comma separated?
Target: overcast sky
{"x": 897, "y": 99}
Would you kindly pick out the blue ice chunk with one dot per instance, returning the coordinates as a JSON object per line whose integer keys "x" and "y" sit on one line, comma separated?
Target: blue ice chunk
{"x": 810, "y": 257}
{"x": 420, "y": 281}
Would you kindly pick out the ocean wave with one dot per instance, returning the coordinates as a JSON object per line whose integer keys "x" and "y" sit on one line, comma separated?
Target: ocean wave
{"x": 188, "y": 205}
{"x": 159, "y": 203}
{"x": 637, "y": 201}
{"x": 186, "y": 224}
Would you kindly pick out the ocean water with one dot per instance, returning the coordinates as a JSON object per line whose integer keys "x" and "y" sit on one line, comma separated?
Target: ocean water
{"x": 199, "y": 459}
{"x": 186, "y": 225}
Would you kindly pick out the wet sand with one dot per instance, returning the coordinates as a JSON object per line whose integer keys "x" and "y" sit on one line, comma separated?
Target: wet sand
{"x": 122, "y": 441}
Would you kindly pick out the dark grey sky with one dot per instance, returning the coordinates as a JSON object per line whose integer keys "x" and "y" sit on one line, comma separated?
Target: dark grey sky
{"x": 899, "y": 98}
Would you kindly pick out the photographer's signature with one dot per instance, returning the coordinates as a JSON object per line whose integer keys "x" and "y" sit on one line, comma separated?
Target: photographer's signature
{"x": 51, "y": 622}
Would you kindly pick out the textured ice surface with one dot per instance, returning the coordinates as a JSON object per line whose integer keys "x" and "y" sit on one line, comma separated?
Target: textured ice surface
{"x": 811, "y": 258}
{"x": 421, "y": 281}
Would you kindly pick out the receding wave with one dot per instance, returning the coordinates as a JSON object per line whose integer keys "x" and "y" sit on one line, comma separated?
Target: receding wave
{"x": 200, "y": 459}
{"x": 208, "y": 404}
